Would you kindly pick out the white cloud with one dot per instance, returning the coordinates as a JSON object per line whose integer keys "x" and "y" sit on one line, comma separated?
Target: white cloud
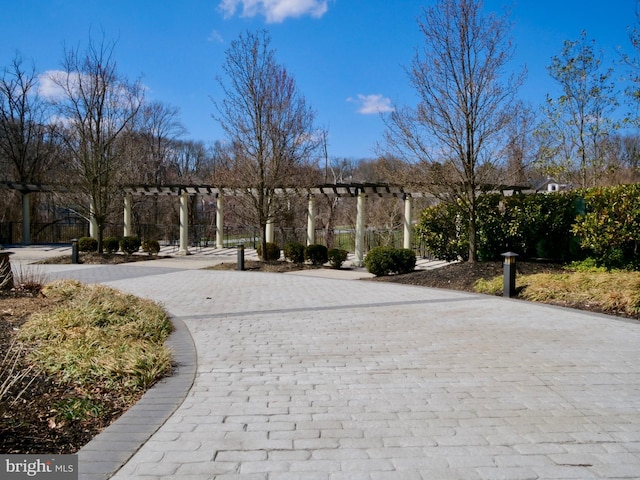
{"x": 372, "y": 104}
{"x": 48, "y": 84}
{"x": 215, "y": 37}
{"x": 275, "y": 11}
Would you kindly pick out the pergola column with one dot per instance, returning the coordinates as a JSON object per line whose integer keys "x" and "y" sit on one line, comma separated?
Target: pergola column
{"x": 408, "y": 228}
{"x": 311, "y": 221}
{"x": 26, "y": 218}
{"x": 271, "y": 232}
{"x": 220, "y": 221}
{"x": 360, "y": 227}
{"x": 184, "y": 224}
{"x": 128, "y": 226}
{"x": 93, "y": 223}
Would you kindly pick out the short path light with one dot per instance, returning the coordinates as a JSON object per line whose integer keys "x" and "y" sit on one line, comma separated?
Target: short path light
{"x": 240, "y": 257}
{"x": 509, "y": 274}
{"x": 74, "y": 251}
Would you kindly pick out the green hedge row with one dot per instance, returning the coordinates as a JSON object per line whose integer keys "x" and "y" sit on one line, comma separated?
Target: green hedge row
{"x": 599, "y": 223}
{"x": 316, "y": 254}
{"x": 128, "y": 245}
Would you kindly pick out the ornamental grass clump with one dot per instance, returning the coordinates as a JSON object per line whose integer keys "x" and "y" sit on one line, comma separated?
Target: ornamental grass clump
{"x": 98, "y": 335}
{"x": 613, "y": 292}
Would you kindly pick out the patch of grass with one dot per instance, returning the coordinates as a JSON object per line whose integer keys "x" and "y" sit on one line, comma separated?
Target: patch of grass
{"x": 77, "y": 409}
{"x": 99, "y": 335}
{"x": 492, "y": 286}
{"x": 614, "y": 292}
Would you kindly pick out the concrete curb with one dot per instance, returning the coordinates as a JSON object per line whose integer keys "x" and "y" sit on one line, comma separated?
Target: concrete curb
{"x": 106, "y": 453}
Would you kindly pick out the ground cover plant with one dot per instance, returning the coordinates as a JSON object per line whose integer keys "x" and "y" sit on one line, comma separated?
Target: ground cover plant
{"x": 77, "y": 356}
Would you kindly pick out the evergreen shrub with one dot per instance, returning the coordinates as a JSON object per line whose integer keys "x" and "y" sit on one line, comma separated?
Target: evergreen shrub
{"x": 380, "y": 261}
{"x": 129, "y": 245}
{"x": 110, "y": 244}
{"x": 87, "y": 244}
{"x": 404, "y": 260}
{"x": 316, "y": 254}
{"x": 272, "y": 254}
{"x": 152, "y": 247}
{"x": 294, "y": 252}
{"x": 337, "y": 257}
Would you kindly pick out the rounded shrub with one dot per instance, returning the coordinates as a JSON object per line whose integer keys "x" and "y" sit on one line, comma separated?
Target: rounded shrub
{"x": 87, "y": 244}
{"x": 337, "y": 257}
{"x": 129, "y": 245}
{"x": 272, "y": 254}
{"x": 152, "y": 247}
{"x": 404, "y": 260}
{"x": 294, "y": 252}
{"x": 316, "y": 254}
{"x": 380, "y": 261}
{"x": 110, "y": 244}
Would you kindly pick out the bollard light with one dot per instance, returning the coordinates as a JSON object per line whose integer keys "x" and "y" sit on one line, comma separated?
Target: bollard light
{"x": 240, "y": 262}
{"x": 509, "y": 274}
{"x": 74, "y": 251}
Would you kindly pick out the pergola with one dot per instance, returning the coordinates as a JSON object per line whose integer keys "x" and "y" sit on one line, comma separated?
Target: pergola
{"x": 26, "y": 189}
{"x": 360, "y": 191}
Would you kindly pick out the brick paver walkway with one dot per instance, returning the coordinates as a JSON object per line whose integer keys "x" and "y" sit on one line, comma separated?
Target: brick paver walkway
{"x": 313, "y": 378}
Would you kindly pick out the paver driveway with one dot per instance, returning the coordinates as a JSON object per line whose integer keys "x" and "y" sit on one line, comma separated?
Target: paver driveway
{"x": 314, "y": 378}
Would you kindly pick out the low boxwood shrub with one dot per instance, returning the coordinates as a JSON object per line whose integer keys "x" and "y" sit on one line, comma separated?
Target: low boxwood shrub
{"x": 129, "y": 245}
{"x": 110, "y": 244}
{"x": 316, "y": 254}
{"x": 152, "y": 247}
{"x": 87, "y": 244}
{"x": 337, "y": 257}
{"x": 294, "y": 252}
{"x": 405, "y": 260}
{"x": 385, "y": 260}
{"x": 273, "y": 252}
{"x": 380, "y": 261}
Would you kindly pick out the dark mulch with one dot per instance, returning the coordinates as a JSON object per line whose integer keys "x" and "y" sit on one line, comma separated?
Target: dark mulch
{"x": 103, "y": 258}
{"x": 463, "y": 276}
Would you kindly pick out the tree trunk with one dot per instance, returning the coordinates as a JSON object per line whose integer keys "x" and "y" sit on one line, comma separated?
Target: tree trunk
{"x": 263, "y": 242}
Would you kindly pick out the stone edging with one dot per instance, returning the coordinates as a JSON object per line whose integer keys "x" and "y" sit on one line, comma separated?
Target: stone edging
{"x": 106, "y": 453}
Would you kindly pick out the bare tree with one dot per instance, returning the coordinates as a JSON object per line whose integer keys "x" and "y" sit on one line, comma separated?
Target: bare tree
{"x": 26, "y": 134}
{"x": 519, "y": 146}
{"x": 96, "y": 106}
{"x": 268, "y": 124}
{"x": 159, "y": 128}
{"x": 465, "y": 103}
{"x": 581, "y": 117}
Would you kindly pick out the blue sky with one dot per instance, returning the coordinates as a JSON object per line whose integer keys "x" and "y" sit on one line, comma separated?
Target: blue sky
{"x": 347, "y": 56}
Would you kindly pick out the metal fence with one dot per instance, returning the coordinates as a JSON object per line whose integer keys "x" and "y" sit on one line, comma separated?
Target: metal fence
{"x": 201, "y": 236}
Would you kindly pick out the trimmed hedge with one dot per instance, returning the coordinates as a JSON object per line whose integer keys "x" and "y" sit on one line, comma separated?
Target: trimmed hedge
{"x": 337, "y": 257}
{"x": 273, "y": 252}
{"x": 598, "y": 223}
{"x": 111, "y": 244}
{"x": 294, "y": 252}
{"x": 152, "y": 247}
{"x": 382, "y": 261}
{"x": 129, "y": 245}
{"x": 87, "y": 244}
{"x": 404, "y": 260}
{"x": 316, "y": 254}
